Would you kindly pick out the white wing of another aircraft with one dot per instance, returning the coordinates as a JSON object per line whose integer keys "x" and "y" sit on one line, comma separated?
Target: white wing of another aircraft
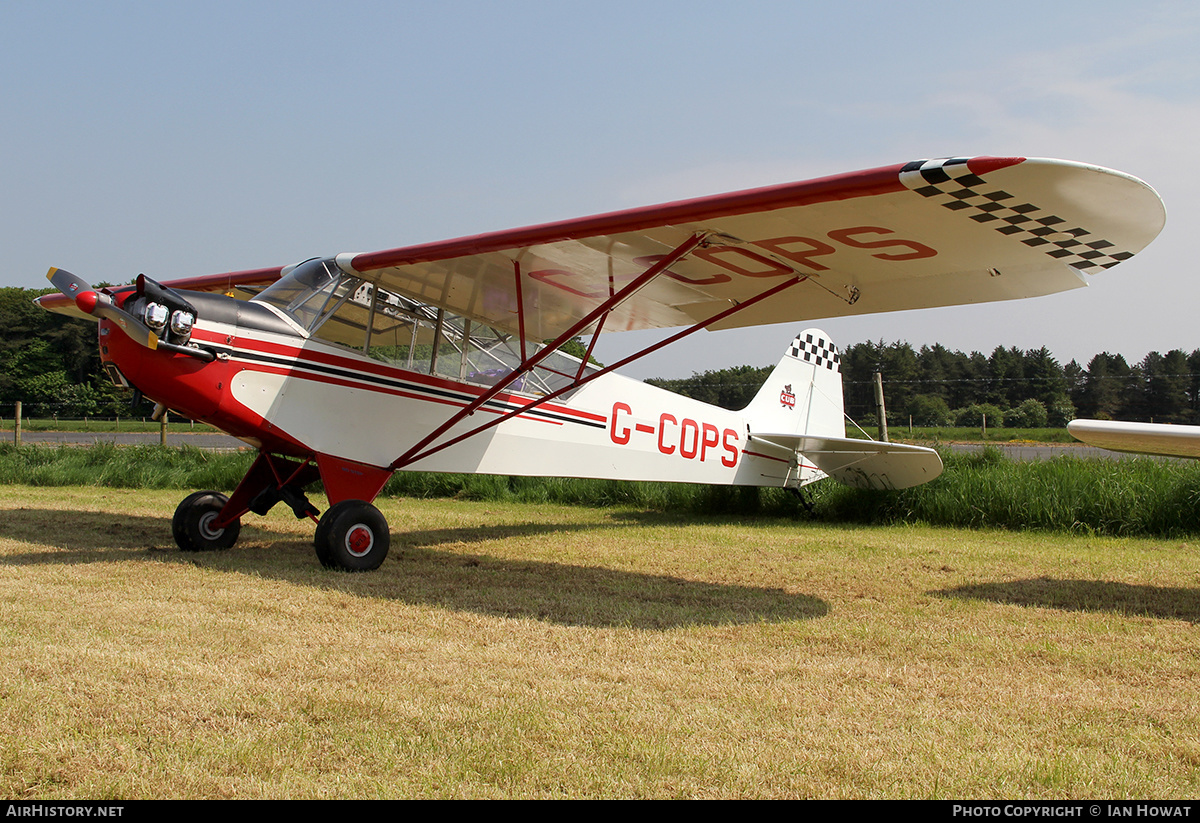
{"x": 1139, "y": 438}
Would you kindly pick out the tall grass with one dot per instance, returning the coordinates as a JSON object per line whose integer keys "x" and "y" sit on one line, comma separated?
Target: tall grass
{"x": 1137, "y": 496}
{"x": 127, "y": 467}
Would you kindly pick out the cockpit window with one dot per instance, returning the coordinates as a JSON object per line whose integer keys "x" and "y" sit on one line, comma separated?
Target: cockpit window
{"x": 341, "y": 308}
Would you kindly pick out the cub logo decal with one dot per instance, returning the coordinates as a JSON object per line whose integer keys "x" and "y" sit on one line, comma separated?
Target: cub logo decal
{"x": 786, "y": 398}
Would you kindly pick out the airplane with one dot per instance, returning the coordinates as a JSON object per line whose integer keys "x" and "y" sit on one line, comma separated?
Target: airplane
{"x": 1162, "y": 439}
{"x": 449, "y": 356}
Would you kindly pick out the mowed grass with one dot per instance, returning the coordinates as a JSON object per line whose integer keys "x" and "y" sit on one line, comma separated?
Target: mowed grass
{"x": 517, "y": 650}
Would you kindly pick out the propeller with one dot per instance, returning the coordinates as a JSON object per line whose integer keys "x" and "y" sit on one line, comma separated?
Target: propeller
{"x": 100, "y": 305}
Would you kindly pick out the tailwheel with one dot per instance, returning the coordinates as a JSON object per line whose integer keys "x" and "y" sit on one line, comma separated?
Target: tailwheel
{"x": 352, "y": 536}
{"x": 192, "y": 525}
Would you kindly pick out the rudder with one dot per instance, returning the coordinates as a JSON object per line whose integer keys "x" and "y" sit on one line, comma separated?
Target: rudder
{"x": 803, "y": 395}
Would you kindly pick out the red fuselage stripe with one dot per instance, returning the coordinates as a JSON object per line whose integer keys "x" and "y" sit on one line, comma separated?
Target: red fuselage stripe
{"x": 301, "y": 356}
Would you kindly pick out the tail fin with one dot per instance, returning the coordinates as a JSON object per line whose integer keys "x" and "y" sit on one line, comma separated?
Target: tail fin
{"x": 803, "y": 395}
{"x": 799, "y": 410}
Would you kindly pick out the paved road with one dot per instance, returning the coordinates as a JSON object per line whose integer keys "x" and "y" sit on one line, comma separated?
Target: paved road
{"x": 223, "y": 442}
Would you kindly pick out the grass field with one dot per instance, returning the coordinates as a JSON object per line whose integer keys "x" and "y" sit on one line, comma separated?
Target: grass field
{"x": 516, "y": 650}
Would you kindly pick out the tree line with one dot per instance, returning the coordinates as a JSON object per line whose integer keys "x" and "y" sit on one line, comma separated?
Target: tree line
{"x": 934, "y": 386}
{"x": 51, "y": 364}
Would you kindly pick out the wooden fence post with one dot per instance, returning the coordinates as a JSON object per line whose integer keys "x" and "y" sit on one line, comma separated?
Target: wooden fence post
{"x": 881, "y": 411}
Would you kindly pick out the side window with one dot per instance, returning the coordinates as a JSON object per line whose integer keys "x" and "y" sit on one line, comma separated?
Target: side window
{"x": 401, "y": 338}
{"x": 417, "y": 337}
{"x": 491, "y": 356}
{"x": 556, "y": 371}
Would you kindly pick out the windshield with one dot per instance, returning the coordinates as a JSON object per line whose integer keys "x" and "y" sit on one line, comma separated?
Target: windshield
{"x": 305, "y": 291}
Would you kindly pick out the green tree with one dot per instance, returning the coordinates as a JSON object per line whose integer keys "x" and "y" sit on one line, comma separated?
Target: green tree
{"x": 975, "y": 415}
{"x": 1166, "y": 381}
{"x": 1006, "y": 374}
{"x": 1029, "y": 414}
{"x": 929, "y": 410}
{"x": 897, "y": 362}
{"x": 1106, "y": 386}
{"x": 728, "y": 388}
{"x": 34, "y": 342}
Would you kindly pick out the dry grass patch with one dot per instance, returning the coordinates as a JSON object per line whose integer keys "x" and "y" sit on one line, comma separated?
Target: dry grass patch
{"x": 538, "y": 651}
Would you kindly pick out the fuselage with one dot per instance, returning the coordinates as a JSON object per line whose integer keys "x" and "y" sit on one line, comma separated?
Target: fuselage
{"x": 286, "y": 392}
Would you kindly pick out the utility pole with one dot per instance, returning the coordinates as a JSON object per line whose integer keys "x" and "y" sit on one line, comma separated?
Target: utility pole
{"x": 880, "y": 410}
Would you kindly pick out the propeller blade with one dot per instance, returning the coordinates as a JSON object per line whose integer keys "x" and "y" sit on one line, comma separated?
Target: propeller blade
{"x": 69, "y": 284}
{"x": 99, "y": 304}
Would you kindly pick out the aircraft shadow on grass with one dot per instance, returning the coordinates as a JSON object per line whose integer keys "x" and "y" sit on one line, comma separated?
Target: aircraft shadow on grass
{"x": 429, "y": 571}
{"x": 1165, "y": 602}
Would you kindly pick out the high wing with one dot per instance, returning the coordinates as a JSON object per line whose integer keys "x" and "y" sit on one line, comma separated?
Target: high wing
{"x": 1139, "y": 438}
{"x": 916, "y": 235}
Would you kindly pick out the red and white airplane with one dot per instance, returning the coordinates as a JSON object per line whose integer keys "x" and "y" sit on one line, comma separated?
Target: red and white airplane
{"x": 348, "y": 368}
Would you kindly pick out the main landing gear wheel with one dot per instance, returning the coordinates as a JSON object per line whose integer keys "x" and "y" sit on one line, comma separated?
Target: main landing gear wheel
{"x": 192, "y": 524}
{"x": 352, "y": 536}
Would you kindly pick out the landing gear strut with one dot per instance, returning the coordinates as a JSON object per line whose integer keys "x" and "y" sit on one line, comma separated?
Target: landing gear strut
{"x": 352, "y": 535}
{"x": 209, "y": 520}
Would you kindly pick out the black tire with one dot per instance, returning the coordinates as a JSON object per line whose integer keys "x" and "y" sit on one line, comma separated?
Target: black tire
{"x": 352, "y": 536}
{"x": 191, "y": 524}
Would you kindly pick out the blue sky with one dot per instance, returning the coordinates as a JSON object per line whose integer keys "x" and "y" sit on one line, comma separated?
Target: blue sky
{"x": 188, "y": 138}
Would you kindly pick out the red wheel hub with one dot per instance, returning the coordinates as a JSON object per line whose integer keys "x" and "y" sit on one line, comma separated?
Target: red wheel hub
{"x": 359, "y": 540}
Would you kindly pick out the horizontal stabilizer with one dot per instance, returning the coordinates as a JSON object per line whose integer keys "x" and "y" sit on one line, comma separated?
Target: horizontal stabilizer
{"x": 1140, "y": 438}
{"x": 863, "y": 464}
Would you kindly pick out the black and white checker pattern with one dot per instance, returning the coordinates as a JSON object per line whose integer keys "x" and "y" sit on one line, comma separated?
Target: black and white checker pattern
{"x": 949, "y": 182}
{"x": 817, "y": 351}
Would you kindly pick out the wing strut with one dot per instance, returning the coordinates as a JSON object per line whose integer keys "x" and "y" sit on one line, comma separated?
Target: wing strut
{"x": 412, "y": 455}
{"x": 520, "y": 307}
{"x": 529, "y": 363}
